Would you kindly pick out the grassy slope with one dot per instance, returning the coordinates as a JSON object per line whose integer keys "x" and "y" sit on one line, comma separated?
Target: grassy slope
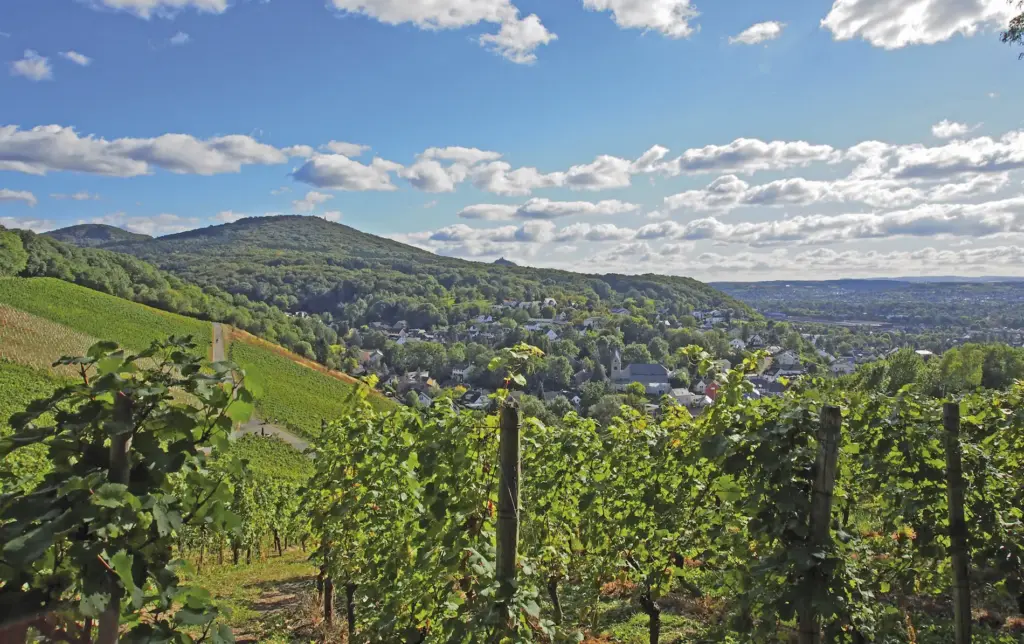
{"x": 99, "y": 315}
{"x": 294, "y": 393}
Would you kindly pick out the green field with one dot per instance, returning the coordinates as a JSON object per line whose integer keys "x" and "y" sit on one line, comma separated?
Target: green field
{"x": 99, "y": 315}
{"x": 290, "y": 394}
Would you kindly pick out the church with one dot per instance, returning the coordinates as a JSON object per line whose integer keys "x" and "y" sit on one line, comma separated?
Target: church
{"x": 653, "y": 377}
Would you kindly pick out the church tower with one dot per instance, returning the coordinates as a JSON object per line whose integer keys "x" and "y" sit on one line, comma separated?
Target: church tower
{"x": 616, "y": 364}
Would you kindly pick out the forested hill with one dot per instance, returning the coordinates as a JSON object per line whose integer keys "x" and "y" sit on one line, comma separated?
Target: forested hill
{"x": 94, "y": 235}
{"x": 312, "y": 265}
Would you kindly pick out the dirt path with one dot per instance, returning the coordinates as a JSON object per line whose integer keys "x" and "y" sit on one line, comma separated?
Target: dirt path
{"x": 255, "y": 425}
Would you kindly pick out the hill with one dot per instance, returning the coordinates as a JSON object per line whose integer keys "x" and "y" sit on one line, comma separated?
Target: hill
{"x": 94, "y": 235}
{"x": 312, "y": 265}
{"x": 43, "y": 319}
{"x": 501, "y": 261}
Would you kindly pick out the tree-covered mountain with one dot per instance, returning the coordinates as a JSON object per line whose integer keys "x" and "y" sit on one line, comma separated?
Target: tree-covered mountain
{"x": 312, "y": 265}
{"x": 94, "y": 235}
{"x": 26, "y": 254}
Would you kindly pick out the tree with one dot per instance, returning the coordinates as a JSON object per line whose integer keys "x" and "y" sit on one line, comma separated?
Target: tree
{"x": 599, "y": 374}
{"x": 412, "y": 399}
{"x": 680, "y": 379}
{"x": 659, "y": 349}
{"x": 13, "y": 258}
{"x": 636, "y": 354}
{"x": 592, "y": 392}
{"x": 905, "y": 367}
{"x": 129, "y": 473}
{"x": 1014, "y": 33}
{"x": 557, "y": 372}
{"x": 605, "y": 410}
{"x": 558, "y": 407}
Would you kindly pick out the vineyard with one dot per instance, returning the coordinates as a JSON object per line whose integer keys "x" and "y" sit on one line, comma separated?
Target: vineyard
{"x": 99, "y": 315}
{"x": 31, "y": 340}
{"x": 20, "y": 386}
{"x": 291, "y": 393}
{"x": 821, "y": 516}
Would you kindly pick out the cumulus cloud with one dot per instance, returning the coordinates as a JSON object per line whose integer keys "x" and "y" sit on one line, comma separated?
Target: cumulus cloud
{"x": 155, "y": 225}
{"x": 729, "y": 192}
{"x": 228, "y": 216}
{"x": 341, "y": 147}
{"x": 311, "y": 201}
{"x": 163, "y": 8}
{"x": 516, "y": 39}
{"x": 546, "y": 209}
{"x": 981, "y": 155}
{"x": 179, "y": 39}
{"x": 53, "y": 148}
{"x": 36, "y": 225}
{"x": 759, "y": 33}
{"x": 892, "y": 24}
{"x": 499, "y": 178}
{"x": 77, "y": 58}
{"x": 947, "y": 129}
{"x": 77, "y": 196}
{"x": 458, "y": 154}
{"x": 927, "y": 220}
{"x": 670, "y": 18}
{"x": 33, "y": 67}
{"x": 747, "y": 156}
{"x": 332, "y": 215}
{"x": 18, "y": 195}
{"x": 430, "y": 175}
{"x": 338, "y": 172}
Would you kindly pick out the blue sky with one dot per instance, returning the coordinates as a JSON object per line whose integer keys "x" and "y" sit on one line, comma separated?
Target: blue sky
{"x": 727, "y": 140}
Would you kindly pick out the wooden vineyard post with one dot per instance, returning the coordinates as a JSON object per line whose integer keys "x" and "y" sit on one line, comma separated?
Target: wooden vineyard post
{"x": 957, "y": 524}
{"x": 508, "y": 497}
{"x": 119, "y": 472}
{"x": 825, "y": 469}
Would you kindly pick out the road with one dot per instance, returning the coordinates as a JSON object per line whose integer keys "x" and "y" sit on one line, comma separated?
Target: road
{"x": 255, "y": 425}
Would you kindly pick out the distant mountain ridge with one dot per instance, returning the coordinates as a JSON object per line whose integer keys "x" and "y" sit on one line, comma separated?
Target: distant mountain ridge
{"x": 309, "y": 264}
{"x": 95, "y": 235}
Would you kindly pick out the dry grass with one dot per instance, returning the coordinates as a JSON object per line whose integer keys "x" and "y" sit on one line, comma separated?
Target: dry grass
{"x": 37, "y": 342}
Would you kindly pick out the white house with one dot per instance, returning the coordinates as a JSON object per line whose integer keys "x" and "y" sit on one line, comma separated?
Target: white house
{"x": 722, "y": 365}
{"x": 755, "y": 341}
{"x": 551, "y": 335}
{"x": 459, "y": 374}
{"x": 700, "y": 387}
{"x": 738, "y": 345}
{"x": 550, "y": 301}
{"x": 788, "y": 359}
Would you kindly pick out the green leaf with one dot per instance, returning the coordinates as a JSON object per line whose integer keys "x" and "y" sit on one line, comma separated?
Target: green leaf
{"x": 519, "y": 379}
{"x": 110, "y": 495}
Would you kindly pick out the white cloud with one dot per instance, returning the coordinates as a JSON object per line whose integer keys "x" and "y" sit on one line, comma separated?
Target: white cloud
{"x": 77, "y": 196}
{"x": 36, "y": 225}
{"x": 669, "y": 17}
{"x": 747, "y": 156}
{"x": 517, "y": 38}
{"x": 332, "y": 215}
{"x": 728, "y": 192}
{"x": 591, "y": 232}
{"x": 927, "y": 220}
{"x": 228, "y": 216}
{"x": 547, "y": 209}
{"x": 179, "y": 39}
{"x": 164, "y": 8}
{"x": 338, "y": 172}
{"x": 280, "y": 191}
{"x": 18, "y": 195}
{"x": 33, "y": 67}
{"x": 53, "y": 148}
{"x": 343, "y": 148}
{"x": 958, "y": 157}
{"x": 304, "y": 151}
{"x": 759, "y": 33}
{"x": 311, "y": 201}
{"x": 155, "y": 225}
{"x": 430, "y": 176}
{"x": 892, "y": 24}
{"x": 77, "y": 58}
{"x": 499, "y": 178}
{"x": 458, "y": 154}
{"x": 603, "y": 173}
{"x": 430, "y": 204}
{"x": 947, "y": 129}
